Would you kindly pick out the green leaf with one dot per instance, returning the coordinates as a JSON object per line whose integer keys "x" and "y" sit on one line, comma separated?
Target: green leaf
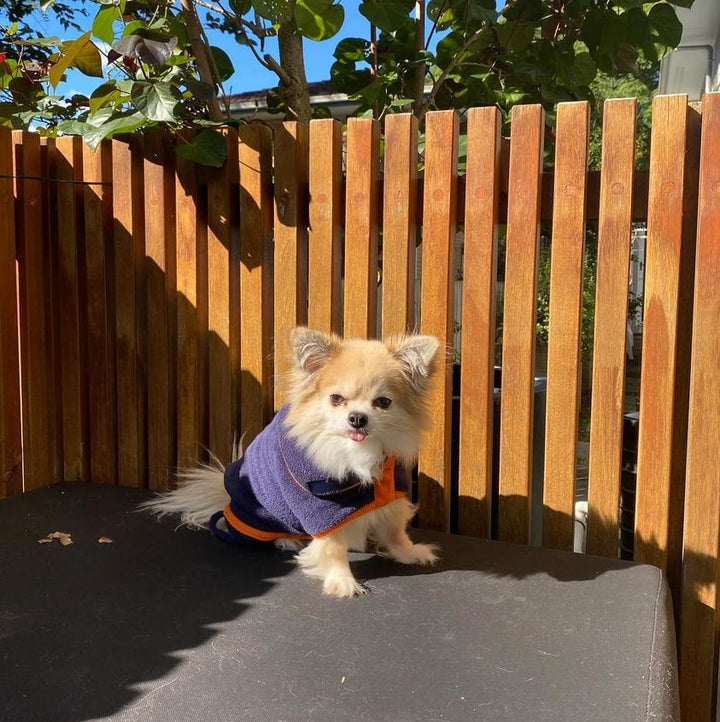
{"x": 155, "y": 101}
{"x": 103, "y": 95}
{"x": 102, "y": 26}
{"x": 209, "y": 147}
{"x": 67, "y": 58}
{"x": 126, "y": 124}
{"x": 664, "y": 21}
{"x": 223, "y": 63}
{"x": 87, "y": 60}
{"x": 318, "y": 19}
{"x": 276, "y": 11}
{"x": 389, "y": 16}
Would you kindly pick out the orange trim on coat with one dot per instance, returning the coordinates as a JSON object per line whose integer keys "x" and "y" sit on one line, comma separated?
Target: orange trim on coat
{"x": 384, "y": 494}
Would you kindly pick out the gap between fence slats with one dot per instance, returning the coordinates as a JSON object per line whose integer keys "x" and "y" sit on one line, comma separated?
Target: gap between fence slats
{"x": 326, "y": 214}
{"x": 10, "y": 431}
{"x": 256, "y": 293}
{"x": 699, "y": 641}
{"x": 291, "y": 242}
{"x": 222, "y": 286}
{"x": 39, "y": 432}
{"x": 71, "y": 297}
{"x": 99, "y": 345}
{"x": 519, "y": 308}
{"x": 610, "y": 333}
{"x": 482, "y": 180}
{"x": 437, "y": 309}
{"x": 658, "y": 520}
{"x": 399, "y": 224}
{"x": 565, "y": 326}
{"x": 128, "y": 241}
{"x": 361, "y": 228}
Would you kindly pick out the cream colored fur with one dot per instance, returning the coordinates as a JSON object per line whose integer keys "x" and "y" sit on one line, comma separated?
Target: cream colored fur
{"x": 331, "y": 381}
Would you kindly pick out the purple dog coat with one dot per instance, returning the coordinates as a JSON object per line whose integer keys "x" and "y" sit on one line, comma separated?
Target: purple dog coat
{"x": 277, "y": 492}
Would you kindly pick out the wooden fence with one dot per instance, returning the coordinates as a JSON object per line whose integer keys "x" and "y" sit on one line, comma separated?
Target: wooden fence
{"x": 145, "y": 303}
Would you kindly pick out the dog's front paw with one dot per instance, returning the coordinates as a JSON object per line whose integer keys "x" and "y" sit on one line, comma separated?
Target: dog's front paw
{"x": 342, "y": 585}
{"x": 422, "y": 554}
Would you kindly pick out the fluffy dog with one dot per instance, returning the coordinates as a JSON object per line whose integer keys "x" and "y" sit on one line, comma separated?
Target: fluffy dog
{"x": 332, "y": 468}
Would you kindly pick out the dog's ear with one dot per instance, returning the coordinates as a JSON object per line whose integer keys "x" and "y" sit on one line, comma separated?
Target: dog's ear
{"x": 312, "y": 349}
{"x": 419, "y": 357}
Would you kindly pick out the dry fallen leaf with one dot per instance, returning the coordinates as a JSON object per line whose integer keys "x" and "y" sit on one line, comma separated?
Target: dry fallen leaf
{"x": 62, "y": 536}
{"x": 105, "y": 540}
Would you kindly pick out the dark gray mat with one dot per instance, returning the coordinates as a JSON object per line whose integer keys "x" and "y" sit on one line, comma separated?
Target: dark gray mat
{"x": 174, "y": 625}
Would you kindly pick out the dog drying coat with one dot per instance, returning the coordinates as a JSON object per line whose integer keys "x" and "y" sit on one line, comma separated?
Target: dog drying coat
{"x": 277, "y": 492}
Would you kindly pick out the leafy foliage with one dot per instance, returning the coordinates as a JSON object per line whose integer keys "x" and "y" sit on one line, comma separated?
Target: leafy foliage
{"x": 154, "y": 64}
{"x": 544, "y": 51}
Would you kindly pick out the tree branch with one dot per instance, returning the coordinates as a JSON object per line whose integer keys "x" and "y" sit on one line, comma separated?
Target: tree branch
{"x": 201, "y": 51}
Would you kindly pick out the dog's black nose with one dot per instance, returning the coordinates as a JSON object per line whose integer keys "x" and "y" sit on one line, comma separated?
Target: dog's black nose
{"x": 357, "y": 420}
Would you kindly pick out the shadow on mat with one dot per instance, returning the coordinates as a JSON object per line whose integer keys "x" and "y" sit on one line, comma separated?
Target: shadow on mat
{"x": 85, "y": 628}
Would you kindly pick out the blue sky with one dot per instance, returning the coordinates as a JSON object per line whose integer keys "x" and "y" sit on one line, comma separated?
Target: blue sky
{"x": 249, "y": 74}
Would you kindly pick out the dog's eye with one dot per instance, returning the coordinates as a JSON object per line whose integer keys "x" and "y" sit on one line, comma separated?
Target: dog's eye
{"x": 336, "y": 399}
{"x": 382, "y": 402}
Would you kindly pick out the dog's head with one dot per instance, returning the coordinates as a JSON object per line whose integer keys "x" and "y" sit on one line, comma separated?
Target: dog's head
{"x": 354, "y": 402}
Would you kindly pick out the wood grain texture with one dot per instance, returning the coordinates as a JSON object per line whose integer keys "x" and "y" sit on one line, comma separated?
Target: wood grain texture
{"x": 564, "y": 344}
{"x": 159, "y": 264}
{"x": 437, "y": 311}
{"x": 399, "y": 224}
{"x": 100, "y": 345}
{"x": 69, "y": 256}
{"x": 361, "y": 228}
{"x": 655, "y": 515}
{"x": 610, "y": 333}
{"x": 222, "y": 309}
{"x": 190, "y": 263}
{"x": 10, "y": 432}
{"x": 39, "y": 429}
{"x": 518, "y": 356}
{"x": 326, "y": 218}
{"x": 700, "y": 619}
{"x": 256, "y": 291}
{"x": 291, "y": 242}
{"x": 482, "y": 180}
{"x": 129, "y": 242}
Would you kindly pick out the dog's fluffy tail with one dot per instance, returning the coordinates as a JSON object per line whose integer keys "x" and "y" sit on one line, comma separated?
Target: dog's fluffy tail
{"x": 199, "y": 494}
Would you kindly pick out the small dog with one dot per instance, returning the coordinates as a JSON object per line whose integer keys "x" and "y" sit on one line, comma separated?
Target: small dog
{"x": 333, "y": 465}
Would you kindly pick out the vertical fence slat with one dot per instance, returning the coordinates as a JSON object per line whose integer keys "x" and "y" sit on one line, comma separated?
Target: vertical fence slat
{"x": 10, "y": 432}
{"x": 256, "y": 292}
{"x": 325, "y": 257}
{"x": 100, "y": 346}
{"x": 516, "y": 411}
{"x": 291, "y": 241}
{"x": 482, "y": 194}
{"x": 658, "y": 518}
{"x": 566, "y": 295}
{"x": 361, "y": 227}
{"x": 399, "y": 224}
{"x": 128, "y": 241}
{"x": 609, "y": 349}
{"x": 36, "y": 344}
{"x": 159, "y": 250}
{"x": 222, "y": 399}
{"x": 68, "y": 259}
{"x": 699, "y": 635}
{"x": 189, "y": 241}
{"x": 437, "y": 308}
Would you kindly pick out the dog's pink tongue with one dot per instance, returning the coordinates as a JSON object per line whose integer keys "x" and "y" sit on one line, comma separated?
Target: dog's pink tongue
{"x": 358, "y": 435}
